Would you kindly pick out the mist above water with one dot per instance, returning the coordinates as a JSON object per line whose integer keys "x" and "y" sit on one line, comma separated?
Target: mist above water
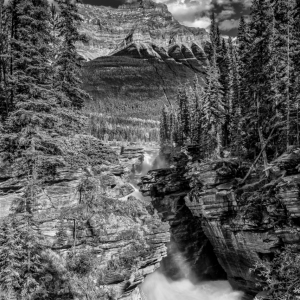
{"x": 158, "y": 287}
{"x": 149, "y": 158}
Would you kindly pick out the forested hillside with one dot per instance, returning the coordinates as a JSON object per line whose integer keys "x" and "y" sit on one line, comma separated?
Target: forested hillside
{"x": 247, "y": 114}
{"x": 250, "y": 105}
{"x": 40, "y": 99}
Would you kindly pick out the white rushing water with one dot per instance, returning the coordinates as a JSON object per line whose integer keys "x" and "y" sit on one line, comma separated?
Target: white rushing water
{"x": 157, "y": 286}
{"x": 149, "y": 158}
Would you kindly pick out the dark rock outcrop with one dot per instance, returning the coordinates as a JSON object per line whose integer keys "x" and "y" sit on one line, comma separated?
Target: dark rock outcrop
{"x": 245, "y": 223}
{"x": 190, "y": 253}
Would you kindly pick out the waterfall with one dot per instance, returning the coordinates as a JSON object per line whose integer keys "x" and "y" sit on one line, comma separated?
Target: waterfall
{"x": 158, "y": 286}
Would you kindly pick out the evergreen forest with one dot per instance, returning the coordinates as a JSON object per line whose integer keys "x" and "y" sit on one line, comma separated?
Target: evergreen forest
{"x": 250, "y": 104}
{"x": 249, "y": 108}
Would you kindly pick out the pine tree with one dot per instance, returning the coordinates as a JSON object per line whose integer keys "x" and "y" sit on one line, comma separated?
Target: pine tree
{"x": 198, "y": 132}
{"x": 214, "y": 108}
{"x": 164, "y": 127}
{"x": 215, "y": 40}
{"x": 183, "y": 115}
{"x": 283, "y": 45}
{"x": 67, "y": 63}
{"x": 30, "y": 87}
{"x": 295, "y": 57}
{"x": 260, "y": 77}
{"x": 236, "y": 116}
{"x": 4, "y": 58}
{"x": 243, "y": 53}
{"x": 226, "y": 80}
{"x": 21, "y": 264}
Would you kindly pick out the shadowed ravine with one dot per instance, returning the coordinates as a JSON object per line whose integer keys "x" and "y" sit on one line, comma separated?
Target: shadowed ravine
{"x": 158, "y": 286}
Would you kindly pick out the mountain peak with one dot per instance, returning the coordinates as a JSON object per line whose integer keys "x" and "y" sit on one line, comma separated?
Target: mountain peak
{"x": 110, "y": 29}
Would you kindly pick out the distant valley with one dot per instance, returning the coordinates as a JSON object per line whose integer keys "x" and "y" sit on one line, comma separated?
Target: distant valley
{"x": 137, "y": 57}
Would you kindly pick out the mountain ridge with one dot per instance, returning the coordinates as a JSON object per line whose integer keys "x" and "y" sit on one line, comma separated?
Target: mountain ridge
{"x": 144, "y": 21}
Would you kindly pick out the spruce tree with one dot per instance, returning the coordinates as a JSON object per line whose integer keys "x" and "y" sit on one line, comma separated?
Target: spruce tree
{"x": 164, "y": 127}
{"x": 260, "y": 78}
{"x": 68, "y": 64}
{"x": 283, "y": 44}
{"x": 215, "y": 40}
{"x": 30, "y": 86}
{"x": 21, "y": 264}
{"x": 197, "y": 116}
{"x": 243, "y": 53}
{"x": 4, "y": 59}
{"x": 236, "y": 116}
{"x": 183, "y": 115}
{"x": 214, "y": 108}
{"x": 226, "y": 81}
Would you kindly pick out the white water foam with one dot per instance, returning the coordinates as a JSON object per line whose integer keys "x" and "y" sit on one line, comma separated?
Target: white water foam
{"x": 157, "y": 287}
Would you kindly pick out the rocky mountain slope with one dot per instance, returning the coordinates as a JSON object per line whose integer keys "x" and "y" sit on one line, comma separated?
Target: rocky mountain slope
{"x": 139, "y": 79}
{"x": 144, "y": 21}
{"x": 138, "y": 55}
{"x": 245, "y": 223}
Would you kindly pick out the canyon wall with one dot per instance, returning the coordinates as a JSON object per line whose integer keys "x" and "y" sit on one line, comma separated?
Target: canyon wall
{"x": 83, "y": 221}
{"x": 245, "y": 222}
{"x": 190, "y": 253}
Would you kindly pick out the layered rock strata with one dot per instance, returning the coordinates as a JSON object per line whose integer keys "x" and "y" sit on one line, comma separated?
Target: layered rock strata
{"x": 78, "y": 213}
{"x": 143, "y": 21}
{"x": 190, "y": 253}
{"x": 244, "y": 222}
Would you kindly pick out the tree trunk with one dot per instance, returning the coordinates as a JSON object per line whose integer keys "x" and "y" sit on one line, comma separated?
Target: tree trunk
{"x": 264, "y": 153}
{"x": 288, "y": 83}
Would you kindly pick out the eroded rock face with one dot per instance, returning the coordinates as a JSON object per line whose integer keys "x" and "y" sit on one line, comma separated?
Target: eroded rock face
{"x": 190, "y": 252}
{"x": 245, "y": 223}
{"x": 144, "y": 21}
{"x": 78, "y": 211}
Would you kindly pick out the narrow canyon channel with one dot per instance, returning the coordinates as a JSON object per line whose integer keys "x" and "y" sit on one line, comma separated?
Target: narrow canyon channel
{"x": 159, "y": 286}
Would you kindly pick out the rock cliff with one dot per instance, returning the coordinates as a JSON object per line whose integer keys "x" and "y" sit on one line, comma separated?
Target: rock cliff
{"x": 190, "y": 253}
{"x": 244, "y": 222}
{"x": 143, "y": 21}
{"x": 79, "y": 214}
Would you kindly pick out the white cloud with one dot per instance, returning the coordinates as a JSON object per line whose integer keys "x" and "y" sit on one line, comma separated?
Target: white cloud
{"x": 227, "y": 25}
{"x": 246, "y": 3}
{"x": 188, "y": 12}
{"x": 225, "y": 14}
{"x": 201, "y": 23}
{"x": 195, "y": 13}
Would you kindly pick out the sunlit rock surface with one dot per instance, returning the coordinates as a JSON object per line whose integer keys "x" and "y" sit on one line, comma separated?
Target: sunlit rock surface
{"x": 80, "y": 210}
{"x": 144, "y": 21}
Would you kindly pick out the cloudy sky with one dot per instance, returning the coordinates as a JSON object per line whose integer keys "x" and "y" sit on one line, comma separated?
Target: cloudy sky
{"x": 196, "y": 13}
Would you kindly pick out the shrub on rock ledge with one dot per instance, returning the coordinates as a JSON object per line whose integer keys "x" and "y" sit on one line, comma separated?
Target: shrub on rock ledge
{"x": 282, "y": 274}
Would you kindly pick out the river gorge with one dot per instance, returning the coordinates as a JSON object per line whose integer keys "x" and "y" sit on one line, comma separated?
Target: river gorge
{"x": 183, "y": 284}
